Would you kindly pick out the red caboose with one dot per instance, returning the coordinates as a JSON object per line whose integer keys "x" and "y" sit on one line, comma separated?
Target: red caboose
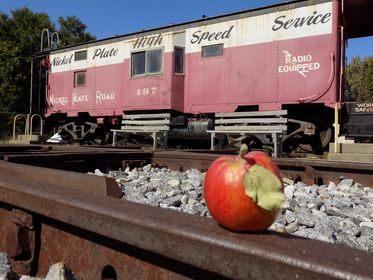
{"x": 286, "y": 56}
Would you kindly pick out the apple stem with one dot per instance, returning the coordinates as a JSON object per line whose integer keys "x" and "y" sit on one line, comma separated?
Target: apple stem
{"x": 244, "y": 149}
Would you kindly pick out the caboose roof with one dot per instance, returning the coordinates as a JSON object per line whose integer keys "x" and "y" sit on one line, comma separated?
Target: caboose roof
{"x": 184, "y": 25}
{"x": 357, "y": 21}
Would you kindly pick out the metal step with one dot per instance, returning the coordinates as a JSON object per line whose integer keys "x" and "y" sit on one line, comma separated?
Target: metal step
{"x": 355, "y": 152}
{"x": 26, "y": 139}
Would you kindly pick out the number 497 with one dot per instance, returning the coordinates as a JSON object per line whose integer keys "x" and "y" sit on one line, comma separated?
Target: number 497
{"x": 146, "y": 91}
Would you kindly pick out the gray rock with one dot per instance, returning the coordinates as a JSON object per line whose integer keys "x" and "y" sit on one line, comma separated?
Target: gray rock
{"x": 366, "y": 243}
{"x": 317, "y": 213}
{"x": 99, "y": 173}
{"x": 5, "y": 269}
{"x": 336, "y": 212}
{"x": 60, "y": 271}
{"x": 291, "y": 204}
{"x": 370, "y": 194}
{"x": 330, "y": 224}
{"x": 345, "y": 184}
{"x": 147, "y": 168}
{"x": 341, "y": 202}
{"x": 289, "y": 217}
{"x": 277, "y": 227}
{"x": 332, "y": 186}
{"x": 302, "y": 201}
{"x": 307, "y": 233}
{"x": 345, "y": 239}
{"x": 292, "y": 227}
{"x": 306, "y": 219}
{"x": 281, "y": 220}
{"x": 325, "y": 235}
{"x": 348, "y": 227}
{"x": 289, "y": 191}
{"x": 173, "y": 183}
{"x": 366, "y": 228}
{"x": 287, "y": 181}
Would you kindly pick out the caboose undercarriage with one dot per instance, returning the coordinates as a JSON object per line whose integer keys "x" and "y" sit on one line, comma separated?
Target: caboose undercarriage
{"x": 309, "y": 129}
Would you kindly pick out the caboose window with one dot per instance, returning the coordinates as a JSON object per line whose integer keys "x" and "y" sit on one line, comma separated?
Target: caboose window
{"x": 153, "y": 61}
{"x": 146, "y": 63}
{"x": 79, "y": 79}
{"x": 138, "y": 63}
{"x": 179, "y": 60}
{"x": 212, "y": 50}
{"x": 81, "y": 55}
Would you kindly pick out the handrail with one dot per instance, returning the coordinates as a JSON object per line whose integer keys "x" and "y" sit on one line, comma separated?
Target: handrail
{"x": 41, "y": 124}
{"x": 41, "y": 39}
{"x": 28, "y": 121}
{"x": 55, "y": 42}
{"x": 14, "y": 124}
{"x": 323, "y": 91}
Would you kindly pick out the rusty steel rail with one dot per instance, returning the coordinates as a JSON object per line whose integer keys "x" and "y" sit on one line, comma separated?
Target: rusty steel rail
{"x": 81, "y": 161}
{"x": 45, "y": 221}
{"x": 309, "y": 171}
{"x": 87, "y": 159}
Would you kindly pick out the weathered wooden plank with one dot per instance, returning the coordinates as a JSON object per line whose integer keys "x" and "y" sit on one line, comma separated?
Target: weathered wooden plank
{"x": 269, "y": 128}
{"x": 147, "y": 116}
{"x": 252, "y": 120}
{"x": 240, "y": 132}
{"x": 249, "y": 114}
{"x": 143, "y": 128}
{"x": 145, "y": 122}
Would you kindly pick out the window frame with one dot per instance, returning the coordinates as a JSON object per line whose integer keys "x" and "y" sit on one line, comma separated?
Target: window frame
{"x": 146, "y": 73}
{"x": 183, "y": 60}
{"x": 212, "y": 56}
{"x": 132, "y": 65}
{"x": 83, "y": 51}
{"x": 76, "y": 73}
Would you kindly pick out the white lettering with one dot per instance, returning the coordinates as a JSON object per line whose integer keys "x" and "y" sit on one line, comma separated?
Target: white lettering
{"x": 102, "y": 96}
{"x": 59, "y": 100}
{"x": 146, "y": 91}
{"x": 79, "y": 98}
{"x": 301, "y": 64}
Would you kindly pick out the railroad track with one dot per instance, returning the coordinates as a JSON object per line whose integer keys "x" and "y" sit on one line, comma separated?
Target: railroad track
{"x": 50, "y": 215}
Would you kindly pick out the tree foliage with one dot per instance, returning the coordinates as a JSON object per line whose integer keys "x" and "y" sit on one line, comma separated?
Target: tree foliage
{"x": 12, "y": 76}
{"x": 20, "y": 38}
{"x": 359, "y": 79}
{"x": 25, "y": 29}
{"x": 72, "y": 31}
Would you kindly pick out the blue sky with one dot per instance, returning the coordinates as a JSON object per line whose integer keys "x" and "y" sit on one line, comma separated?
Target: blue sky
{"x": 116, "y": 17}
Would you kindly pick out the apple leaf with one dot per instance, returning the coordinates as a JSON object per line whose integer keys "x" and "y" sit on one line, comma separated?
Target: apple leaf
{"x": 264, "y": 188}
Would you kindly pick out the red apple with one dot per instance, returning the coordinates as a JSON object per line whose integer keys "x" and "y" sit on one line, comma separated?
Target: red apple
{"x": 244, "y": 193}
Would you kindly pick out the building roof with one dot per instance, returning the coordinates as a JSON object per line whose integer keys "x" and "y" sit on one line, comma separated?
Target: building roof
{"x": 358, "y": 18}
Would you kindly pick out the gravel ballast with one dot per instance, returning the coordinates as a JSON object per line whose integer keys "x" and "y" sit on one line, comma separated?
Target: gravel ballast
{"x": 338, "y": 213}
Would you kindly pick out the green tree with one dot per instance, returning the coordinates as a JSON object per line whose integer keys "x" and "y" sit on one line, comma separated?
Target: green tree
{"x": 12, "y": 80}
{"x": 11, "y": 75}
{"x": 4, "y": 26}
{"x": 359, "y": 79}
{"x": 72, "y": 31}
{"x": 20, "y": 38}
{"x": 366, "y": 91}
{"x": 24, "y": 28}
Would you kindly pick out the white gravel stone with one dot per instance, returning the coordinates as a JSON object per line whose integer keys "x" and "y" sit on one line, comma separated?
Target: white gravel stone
{"x": 289, "y": 191}
{"x": 332, "y": 213}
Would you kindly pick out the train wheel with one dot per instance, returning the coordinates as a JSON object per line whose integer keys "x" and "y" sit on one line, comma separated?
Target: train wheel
{"x": 101, "y": 137}
{"x": 66, "y": 137}
{"x": 320, "y": 140}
